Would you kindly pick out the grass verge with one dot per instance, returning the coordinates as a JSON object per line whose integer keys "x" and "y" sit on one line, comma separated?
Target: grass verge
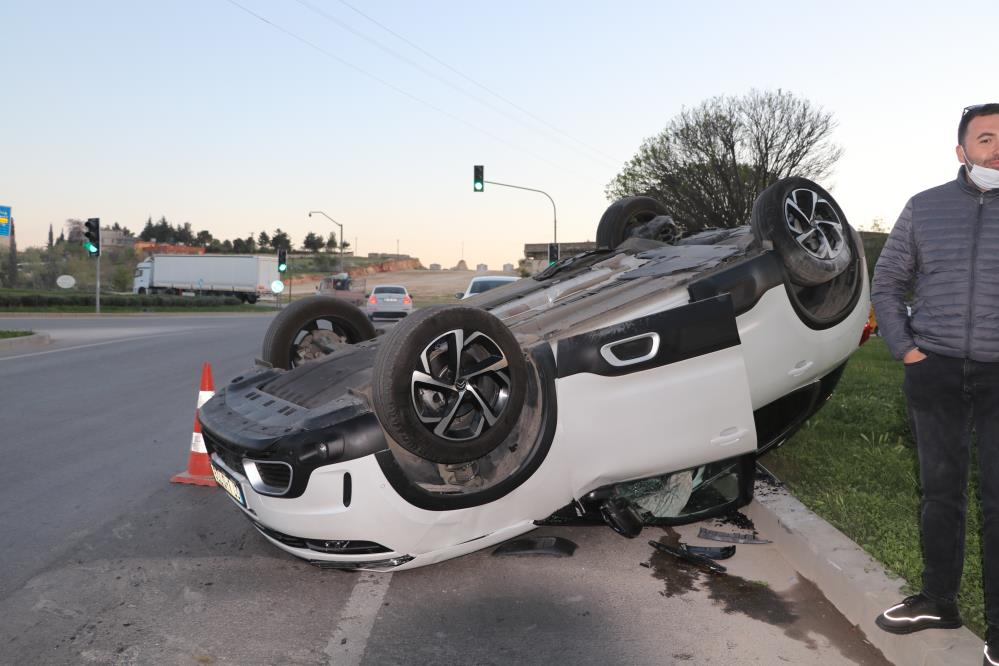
{"x": 854, "y": 463}
{"x": 14, "y": 334}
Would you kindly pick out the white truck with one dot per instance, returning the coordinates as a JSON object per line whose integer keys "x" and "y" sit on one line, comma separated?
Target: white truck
{"x": 242, "y": 275}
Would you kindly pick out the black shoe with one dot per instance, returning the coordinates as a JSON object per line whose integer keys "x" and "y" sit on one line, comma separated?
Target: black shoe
{"x": 991, "y": 657}
{"x": 916, "y": 613}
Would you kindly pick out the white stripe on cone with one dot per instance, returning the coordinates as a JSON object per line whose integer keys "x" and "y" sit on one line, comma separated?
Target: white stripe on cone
{"x": 198, "y": 443}
{"x": 203, "y": 397}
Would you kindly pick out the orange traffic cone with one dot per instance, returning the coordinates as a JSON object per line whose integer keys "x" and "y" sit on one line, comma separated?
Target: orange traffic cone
{"x": 199, "y": 470}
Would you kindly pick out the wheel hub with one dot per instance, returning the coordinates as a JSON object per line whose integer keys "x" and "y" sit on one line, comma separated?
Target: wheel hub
{"x": 814, "y": 224}
{"x": 460, "y": 386}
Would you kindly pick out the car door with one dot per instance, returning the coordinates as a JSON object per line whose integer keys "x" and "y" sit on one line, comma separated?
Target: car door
{"x": 656, "y": 394}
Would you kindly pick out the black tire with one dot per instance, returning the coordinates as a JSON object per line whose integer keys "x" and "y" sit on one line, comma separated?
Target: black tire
{"x": 808, "y": 230}
{"x": 454, "y": 427}
{"x": 625, "y": 218}
{"x": 251, "y": 299}
{"x": 301, "y": 330}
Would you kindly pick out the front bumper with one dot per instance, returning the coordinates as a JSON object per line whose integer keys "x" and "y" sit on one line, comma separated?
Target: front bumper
{"x": 349, "y": 517}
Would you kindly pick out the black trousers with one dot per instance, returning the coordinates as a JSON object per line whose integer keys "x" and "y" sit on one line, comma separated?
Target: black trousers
{"x": 946, "y": 397}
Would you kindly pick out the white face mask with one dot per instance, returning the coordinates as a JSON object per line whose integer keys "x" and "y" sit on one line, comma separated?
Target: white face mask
{"x": 984, "y": 177}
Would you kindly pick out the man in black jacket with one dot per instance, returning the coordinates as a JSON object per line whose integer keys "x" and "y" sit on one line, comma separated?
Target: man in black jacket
{"x": 945, "y": 248}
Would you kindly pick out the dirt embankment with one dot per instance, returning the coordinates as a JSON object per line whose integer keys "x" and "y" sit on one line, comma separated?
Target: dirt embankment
{"x": 426, "y": 287}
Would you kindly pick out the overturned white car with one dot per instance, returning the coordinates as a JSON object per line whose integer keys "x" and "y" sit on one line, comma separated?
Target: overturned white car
{"x": 635, "y": 383}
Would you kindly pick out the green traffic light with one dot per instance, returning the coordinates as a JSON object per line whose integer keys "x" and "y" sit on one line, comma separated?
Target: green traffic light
{"x": 90, "y": 247}
{"x": 282, "y": 268}
{"x": 478, "y": 187}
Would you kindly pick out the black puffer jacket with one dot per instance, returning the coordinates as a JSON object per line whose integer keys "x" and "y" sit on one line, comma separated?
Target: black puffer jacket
{"x": 945, "y": 246}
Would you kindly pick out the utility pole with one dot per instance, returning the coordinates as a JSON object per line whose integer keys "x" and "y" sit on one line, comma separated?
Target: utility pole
{"x": 319, "y": 212}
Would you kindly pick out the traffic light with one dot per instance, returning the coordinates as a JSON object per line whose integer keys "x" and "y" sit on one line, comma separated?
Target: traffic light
{"x": 552, "y": 253}
{"x": 92, "y": 236}
{"x": 478, "y": 178}
{"x": 282, "y": 261}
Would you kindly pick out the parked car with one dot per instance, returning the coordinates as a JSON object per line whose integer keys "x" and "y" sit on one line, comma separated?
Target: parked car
{"x": 391, "y": 301}
{"x": 484, "y": 283}
{"x": 633, "y": 384}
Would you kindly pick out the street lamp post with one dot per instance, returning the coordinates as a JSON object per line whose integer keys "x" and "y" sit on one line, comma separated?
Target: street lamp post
{"x": 531, "y": 189}
{"x": 319, "y": 212}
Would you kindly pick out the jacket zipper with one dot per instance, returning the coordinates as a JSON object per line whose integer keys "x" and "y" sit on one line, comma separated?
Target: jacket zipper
{"x": 971, "y": 281}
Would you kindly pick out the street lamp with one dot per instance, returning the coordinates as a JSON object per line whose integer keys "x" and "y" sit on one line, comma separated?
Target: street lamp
{"x": 319, "y": 212}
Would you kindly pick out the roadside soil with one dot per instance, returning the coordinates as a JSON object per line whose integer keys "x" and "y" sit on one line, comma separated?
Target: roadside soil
{"x": 426, "y": 287}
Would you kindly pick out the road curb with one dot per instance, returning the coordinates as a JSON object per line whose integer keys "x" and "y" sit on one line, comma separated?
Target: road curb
{"x": 22, "y": 341}
{"x": 853, "y": 581}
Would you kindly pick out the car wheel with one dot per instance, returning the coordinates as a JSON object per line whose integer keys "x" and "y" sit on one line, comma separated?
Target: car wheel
{"x": 311, "y": 328}
{"x": 448, "y": 383}
{"x": 807, "y": 227}
{"x": 629, "y": 218}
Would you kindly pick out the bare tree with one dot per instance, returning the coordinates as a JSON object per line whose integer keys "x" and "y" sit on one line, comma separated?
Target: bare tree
{"x": 710, "y": 163}
{"x": 74, "y": 230}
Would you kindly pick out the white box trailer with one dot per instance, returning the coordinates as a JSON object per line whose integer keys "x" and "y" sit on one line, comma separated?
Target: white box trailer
{"x": 245, "y": 276}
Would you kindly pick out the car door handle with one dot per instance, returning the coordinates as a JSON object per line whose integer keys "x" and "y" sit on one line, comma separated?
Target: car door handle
{"x": 799, "y": 368}
{"x": 729, "y": 436}
{"x": 614, "y": 358}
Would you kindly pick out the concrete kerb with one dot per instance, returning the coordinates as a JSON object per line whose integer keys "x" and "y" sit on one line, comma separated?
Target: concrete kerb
{"x": 22, "y": 341}
{"x": 854, "y": 582}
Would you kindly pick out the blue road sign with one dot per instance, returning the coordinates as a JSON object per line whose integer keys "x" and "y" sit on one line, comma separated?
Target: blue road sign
{"x": 4, "y": 220}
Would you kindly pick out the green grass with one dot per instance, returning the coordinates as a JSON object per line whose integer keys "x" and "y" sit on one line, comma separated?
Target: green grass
{"x": 14, "y": 334}
{"x": 854, "y": 463}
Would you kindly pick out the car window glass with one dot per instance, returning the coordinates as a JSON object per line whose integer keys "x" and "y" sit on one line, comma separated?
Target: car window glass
{"x": 390, "y": 290}
{"x": 485, "y": 285}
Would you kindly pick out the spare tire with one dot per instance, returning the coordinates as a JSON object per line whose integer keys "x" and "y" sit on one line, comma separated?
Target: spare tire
{"x": 449, "y": 383}
{"x": 628, "y": 217}
{"x": 808, "y": 230}
{"x": 312, "y": 328}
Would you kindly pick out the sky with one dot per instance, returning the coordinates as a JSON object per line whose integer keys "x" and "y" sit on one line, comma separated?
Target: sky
{"x": 243, "y": 115}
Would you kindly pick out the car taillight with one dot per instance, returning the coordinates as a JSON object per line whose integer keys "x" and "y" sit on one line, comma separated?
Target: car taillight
{"x": 373, "y": 300}
{"x": 865, "y": 335}
{"x": 407, "y": 300}
{"x": 869, "y": 326}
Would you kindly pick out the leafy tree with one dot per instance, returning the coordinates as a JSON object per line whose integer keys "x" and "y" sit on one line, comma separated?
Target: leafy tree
{"x": 280, "y": 240}
{"x": 264, "y": 240}
{"x": 710, "y": 163}
{"x": 331, "y": 241}
{"x": 250, "y": 244}
{"x": 51, "y": 243}
{"x": 148, "y": 233}
{"x": 204, "y": 238}
{"x": 313, "y": 242}
{"x": 125, "y": 232}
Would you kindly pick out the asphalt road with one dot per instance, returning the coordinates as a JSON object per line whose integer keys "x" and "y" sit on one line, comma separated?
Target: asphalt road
{"x": 104, "y": 561}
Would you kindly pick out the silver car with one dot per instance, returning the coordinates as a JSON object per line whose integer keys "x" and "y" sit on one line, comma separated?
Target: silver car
{"x": 391, "y": 301}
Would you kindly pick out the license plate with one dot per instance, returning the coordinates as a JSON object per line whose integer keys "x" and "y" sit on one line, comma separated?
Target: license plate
{"x": 391, "y": 300}
{"x": 229, "y": 484}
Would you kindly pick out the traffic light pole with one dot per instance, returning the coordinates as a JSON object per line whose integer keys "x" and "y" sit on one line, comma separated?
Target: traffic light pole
{"x": 531, "y": 189}
{"x": 98, "y": 298}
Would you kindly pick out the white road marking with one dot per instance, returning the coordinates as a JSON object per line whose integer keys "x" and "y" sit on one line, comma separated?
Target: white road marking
{"x": 346, "y": 646}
